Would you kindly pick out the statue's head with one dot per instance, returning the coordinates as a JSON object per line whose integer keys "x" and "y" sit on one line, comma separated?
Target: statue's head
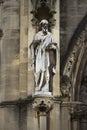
{"x": 44, "y": 21}
{"x": 44, "y": 25}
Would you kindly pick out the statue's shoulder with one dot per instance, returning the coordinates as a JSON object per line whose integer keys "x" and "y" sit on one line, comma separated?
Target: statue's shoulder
{"x": 39, "y": 33}
{"x": 50, "y": 34}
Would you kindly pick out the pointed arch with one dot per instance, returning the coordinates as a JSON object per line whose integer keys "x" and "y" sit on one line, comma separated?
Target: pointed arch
{"x": 76, "y": 58}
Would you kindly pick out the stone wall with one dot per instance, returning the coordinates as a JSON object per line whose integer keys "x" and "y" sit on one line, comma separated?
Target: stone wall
{"x": 71, "y": 14}
{"x": 16, "y": 76}
{"x": 9, "y": 63}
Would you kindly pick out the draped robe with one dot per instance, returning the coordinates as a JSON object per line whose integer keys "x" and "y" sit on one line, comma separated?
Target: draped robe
{"x": 41, "y": 59}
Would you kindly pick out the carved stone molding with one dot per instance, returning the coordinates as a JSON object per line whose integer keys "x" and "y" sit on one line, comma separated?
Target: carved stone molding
{"x": 83, "y": 87}
{"x": 42, "y": 105}
{"x": 49, "y": 3}
{"x": 73, "y": 55}
{"x": 72, "y": 60}
{"x": 66, "y": 86}
{"x": 79, "y": 112}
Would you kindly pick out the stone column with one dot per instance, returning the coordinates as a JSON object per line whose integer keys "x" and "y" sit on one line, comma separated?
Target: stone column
{"x": 74, "y": 125}
{"x": 32, "y": 118}
{"x": 31, "y": 33}
{"x": 56, "y": 33}
{"x": 23, "y": 48}
{"x": 55, "y": 122}
{"x": 65, "y": 118}
{"x": 43, "y": 121}
{"x": 9, "y": 63}
{"x": 2, "y": 88}
{"x": 10, "y": 49}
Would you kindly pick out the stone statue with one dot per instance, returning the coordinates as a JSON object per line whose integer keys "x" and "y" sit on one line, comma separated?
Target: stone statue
{"x": 43, "y": 54}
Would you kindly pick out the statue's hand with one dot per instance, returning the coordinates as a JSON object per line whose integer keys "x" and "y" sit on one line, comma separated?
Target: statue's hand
{"x": 51, "y": 46}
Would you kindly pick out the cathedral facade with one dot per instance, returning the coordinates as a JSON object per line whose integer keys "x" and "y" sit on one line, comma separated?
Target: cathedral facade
{"x": 43, "y": 65}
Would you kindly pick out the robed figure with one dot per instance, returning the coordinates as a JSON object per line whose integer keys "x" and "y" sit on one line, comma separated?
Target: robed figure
{"x": 43, "y": 54}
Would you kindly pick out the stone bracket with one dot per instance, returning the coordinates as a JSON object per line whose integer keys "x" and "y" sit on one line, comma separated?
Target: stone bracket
{"x": 42, "y": 105}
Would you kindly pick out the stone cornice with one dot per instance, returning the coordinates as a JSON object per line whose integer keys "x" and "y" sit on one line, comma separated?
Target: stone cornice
{"x": 17, "y": 102}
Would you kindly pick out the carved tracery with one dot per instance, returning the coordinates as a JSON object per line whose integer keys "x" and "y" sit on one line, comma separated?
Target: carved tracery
{"x": 43, "y": 9}
{"x": 74, "y": 54}
{"x": 74, "y": 58}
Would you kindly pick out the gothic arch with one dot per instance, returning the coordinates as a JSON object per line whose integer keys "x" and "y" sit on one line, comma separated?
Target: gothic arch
{"x": 75, "y": 60}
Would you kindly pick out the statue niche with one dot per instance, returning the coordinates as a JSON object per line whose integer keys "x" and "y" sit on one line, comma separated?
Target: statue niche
{"x": 43, "y": 9}
{"x": 43, "y": 54}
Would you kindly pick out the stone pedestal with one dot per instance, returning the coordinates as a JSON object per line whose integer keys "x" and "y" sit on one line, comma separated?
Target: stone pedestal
{"x": 48, "y": 112}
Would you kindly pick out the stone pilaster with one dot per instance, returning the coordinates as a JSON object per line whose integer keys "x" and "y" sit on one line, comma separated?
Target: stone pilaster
{"x": 65, "y": 117}
{"x": 11, "y": 118}
{"x": 31, "y": 33}
{"x": 1, "y": 34}
{"x": 43, "y": 122}
{"x": 74, "y": 125}
{"x": 56, "y": 33}
{"x": 55, "y": 120}
{"x": 23, "y": 47}
{"x": 32, "y": 119}
{"x": 10, "y": 50}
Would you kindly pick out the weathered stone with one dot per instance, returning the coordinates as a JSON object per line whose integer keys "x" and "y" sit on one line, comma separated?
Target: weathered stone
{"x": 10, "y": 50}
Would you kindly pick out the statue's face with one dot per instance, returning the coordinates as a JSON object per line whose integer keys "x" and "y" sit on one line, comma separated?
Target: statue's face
{"x": 44, "y": 27}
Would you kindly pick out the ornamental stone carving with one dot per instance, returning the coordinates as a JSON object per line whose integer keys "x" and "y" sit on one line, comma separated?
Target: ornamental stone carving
{"x": 42, "y": 105}
{"x": 66, "y": 86}
{"x": 43, "y": 9}
{"x": 38, "y": 3}
{"x": 70, "y": 66}
{"x": 43, "y": 55}
{"x": 73, "y": 55}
